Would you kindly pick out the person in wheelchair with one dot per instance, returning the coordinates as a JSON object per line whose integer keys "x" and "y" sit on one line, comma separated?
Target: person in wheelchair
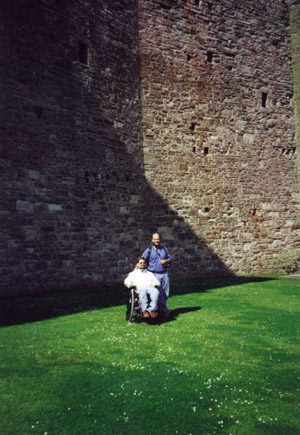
{"x": 145, "y": 284}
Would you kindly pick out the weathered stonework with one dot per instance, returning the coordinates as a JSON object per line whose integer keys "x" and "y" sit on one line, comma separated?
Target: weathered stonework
{"x": 294, "y": 13}
{"x": 218, "y": 124}
{"x": 127, "y": 117}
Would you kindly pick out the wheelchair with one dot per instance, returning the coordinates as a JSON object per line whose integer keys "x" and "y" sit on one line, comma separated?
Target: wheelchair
{"x": 133, "y": 307}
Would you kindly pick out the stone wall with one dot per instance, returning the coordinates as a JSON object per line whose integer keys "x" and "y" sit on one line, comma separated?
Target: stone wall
{"x": 294, "y": 12}
{"x": 123, "y": 118}
{"x": 70, "y": 142}
{"x": 218, "y": 124}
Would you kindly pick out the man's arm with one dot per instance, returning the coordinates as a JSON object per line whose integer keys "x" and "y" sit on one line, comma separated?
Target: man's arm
{"x": 169, "y": 258}
{"x": 153, "y": 281}
{"x": 165, "y": 261}
{"x": 146, "y": 255}
{"x": 129, "y": 281}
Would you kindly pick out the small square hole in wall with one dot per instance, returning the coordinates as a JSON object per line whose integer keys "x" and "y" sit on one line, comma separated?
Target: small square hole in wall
{"x": 206, "y": 209}
{"x": 209, "y": 56}
{"x": 197, "y": 2}
{"x": 39, "y": 111}
{"x": 83, "y": 53}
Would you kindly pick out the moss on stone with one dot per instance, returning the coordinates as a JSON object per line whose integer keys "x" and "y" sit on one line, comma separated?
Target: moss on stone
{"x": 287, "y": 262}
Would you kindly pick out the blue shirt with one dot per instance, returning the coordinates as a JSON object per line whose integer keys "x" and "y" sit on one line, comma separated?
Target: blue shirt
{"x": 153, "y": 260}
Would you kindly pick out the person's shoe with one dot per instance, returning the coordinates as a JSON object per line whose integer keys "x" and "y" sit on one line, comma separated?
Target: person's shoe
{"x": 153, "y": 314}
{"x": 146, "y": 314}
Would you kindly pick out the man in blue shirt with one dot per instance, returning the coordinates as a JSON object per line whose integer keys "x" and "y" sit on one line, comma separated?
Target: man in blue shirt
{"x": 159, "y": 259}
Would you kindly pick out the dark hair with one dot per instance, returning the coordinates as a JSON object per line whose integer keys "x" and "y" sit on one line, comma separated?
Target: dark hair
{"x": 141, "y": 258}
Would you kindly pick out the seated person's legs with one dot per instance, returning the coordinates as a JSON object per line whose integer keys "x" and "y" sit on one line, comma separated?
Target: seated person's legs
{"x": 154, "y": 294}
{"x": 143, "y": 298}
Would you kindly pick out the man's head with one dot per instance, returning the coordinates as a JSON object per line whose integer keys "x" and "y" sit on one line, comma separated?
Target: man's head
{"x": 141, "y": 263}
{"x": 156, "y": 239}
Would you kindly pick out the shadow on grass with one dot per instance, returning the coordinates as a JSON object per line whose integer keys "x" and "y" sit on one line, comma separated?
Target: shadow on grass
{"x": 32, "y": 308}
{"x": 178, "y": 311}
{"x": 173, "y": 316}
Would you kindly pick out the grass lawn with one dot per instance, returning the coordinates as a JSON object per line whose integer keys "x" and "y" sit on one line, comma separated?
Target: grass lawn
{"x": 227, "y": 364}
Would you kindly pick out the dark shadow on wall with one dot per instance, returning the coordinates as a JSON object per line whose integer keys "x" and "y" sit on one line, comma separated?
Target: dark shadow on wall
{"x": 78, "y": 209}
{"x": 32, "y": 308}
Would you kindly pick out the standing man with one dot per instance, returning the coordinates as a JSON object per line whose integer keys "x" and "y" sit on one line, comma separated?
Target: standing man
{"x": 145, "y": 283}
{"x": 159, "y": 259}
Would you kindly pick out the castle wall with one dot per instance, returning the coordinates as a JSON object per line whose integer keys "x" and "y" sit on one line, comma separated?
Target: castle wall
{"x": 294, "y": 13}
{"x": 76, "y": 208}
{"x": 218, "y": 124}
{"x": 123, "y": 118}
{"x": 70, "y": 142}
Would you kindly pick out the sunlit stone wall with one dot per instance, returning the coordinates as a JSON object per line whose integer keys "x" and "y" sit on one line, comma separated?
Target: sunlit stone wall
{"x": 218, "y": 125}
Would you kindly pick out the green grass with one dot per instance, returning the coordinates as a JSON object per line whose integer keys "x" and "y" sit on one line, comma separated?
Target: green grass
{"x": 227, "y": 364}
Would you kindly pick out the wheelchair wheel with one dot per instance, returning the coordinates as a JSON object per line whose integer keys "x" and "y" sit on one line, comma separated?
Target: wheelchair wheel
{"x": 133, "y": 307}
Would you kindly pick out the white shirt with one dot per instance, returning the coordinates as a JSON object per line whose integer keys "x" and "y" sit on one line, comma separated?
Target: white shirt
{"x": 141, "y": 278}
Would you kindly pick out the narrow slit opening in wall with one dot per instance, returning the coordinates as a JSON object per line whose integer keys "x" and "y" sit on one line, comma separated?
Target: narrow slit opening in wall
{"x": 264, "y": 97}
{"x": 39, "y": 111}
{"x": 83, "y": 53}
{"x": 205, "y": 151}
{"x": 197, "y": 2}
{"x": 209, "y": 56}
{"x": 192, "y": 127}
{"x": 209, "y": 6}
{"x": 194, "y": 149}
{"x": 189, "y": 57}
